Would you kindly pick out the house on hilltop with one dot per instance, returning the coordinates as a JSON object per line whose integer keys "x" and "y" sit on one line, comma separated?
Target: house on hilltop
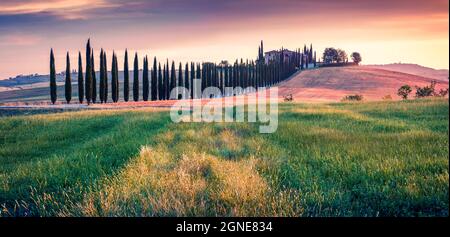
{"x": 275, "y": 55}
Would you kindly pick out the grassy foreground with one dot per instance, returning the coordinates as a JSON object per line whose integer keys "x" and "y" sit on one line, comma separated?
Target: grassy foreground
{"x": 364, "y": 159}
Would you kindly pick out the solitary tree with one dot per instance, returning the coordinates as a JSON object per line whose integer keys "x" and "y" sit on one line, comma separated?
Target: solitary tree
{"x": 356, "y": 57}
{"x": 80, "y": 79}
{"x": 52, "y": 78}
{"x": 126, "y": 78}
{"x": 68, "y": 83}
{"x": 404, "y": 91}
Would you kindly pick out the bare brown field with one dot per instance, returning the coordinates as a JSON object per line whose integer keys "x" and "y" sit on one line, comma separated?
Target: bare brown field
{"x": 332, "y": 84}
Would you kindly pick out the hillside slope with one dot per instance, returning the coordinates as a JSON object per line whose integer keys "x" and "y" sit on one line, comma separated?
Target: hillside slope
{"x": 332, "y": 84}
{"x": 414, "y": 69}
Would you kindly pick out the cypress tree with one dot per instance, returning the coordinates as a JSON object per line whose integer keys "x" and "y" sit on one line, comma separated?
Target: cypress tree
{"x": 186, "y": 81}
{"x": 94, "y": 79}
{"x": 173, "y": 82}
{"x": 154, "y": 81}
{"x": 113, "y": 79}
{"x": 160, "y": 83}
{"x": 105, "y": 72}
{"x": 80, "y": 79}
{"x": 166, "y": 81}
{"x": 126, "y": 78}
{"x": 203, "y": 78}
{"x": 88, "y": 83}
{"x": 191, "y": 80}
{"x": 136, "y": 78}
{"x": 68, "y": 84}
{"x": 145, "y": 82}
{"x": 199, "y": 77}
{"x": 116, "y": 70}
{"x": 180, "y": 82}
{"x": 226, "y": 82}
{"x": 102, "y": 78}
{"x": 52, "y": 78}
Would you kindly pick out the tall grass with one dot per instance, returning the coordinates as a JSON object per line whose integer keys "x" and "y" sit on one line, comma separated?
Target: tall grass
{"x": 344, "y": 159}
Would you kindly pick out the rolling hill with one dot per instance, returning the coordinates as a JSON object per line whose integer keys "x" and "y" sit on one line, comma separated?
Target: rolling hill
{"x": 316, "y": 85}
{"x": 414, "y": 69}
{"x": 332, "y": 84}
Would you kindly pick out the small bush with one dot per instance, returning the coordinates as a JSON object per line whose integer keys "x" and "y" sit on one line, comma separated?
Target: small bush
{"x": 443, "y": 92}
{"x": 288, "y": 98}
{"x": 356, "y": 97}
{"x": 426, "y": 91}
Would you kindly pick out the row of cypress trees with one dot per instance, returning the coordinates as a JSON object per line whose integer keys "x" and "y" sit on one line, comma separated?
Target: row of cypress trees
{"x": 159, "y": 81}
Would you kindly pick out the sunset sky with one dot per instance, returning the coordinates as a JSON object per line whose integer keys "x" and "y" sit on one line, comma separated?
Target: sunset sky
{"x": 383, "y": 31}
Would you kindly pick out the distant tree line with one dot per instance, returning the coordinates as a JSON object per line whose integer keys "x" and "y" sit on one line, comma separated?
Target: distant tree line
{"x": 161, "y": 78}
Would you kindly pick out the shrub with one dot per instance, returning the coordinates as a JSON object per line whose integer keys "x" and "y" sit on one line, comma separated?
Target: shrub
{"x": 443, "y": 92}
{"x": 404, "y": 91}
{"x": 426, "y": 91}
{"x": 356, "y": 97}
{"x": 288, "y": 98}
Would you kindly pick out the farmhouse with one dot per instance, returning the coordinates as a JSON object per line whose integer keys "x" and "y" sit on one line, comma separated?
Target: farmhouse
{"x": 276, "y": 54}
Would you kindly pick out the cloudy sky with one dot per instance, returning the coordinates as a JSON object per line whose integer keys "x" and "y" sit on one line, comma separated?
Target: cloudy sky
{"x": 383, "y": 31}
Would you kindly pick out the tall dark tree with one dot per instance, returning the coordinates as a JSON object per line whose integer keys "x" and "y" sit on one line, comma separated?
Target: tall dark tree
{"x": 94, "y": 79}
{"x": 52, "y": 78}
{"x": 80, "y": 79}
{"x": 145, "y": 82}
{"x": 180, "y": 79}
{"x": 116, "y": 77}
{"x": 166, "y": 81}
{"x": 186, "y": 83}
{"x": 191, "y": 80}
{"x": 160, "y": 83}
{"x": 114, "y": 89}
{"x": 173, "y": 79}
{"x": 105, "y": 69}
{"x": 102, "y": 78}
{"x": 199, "y": 77}
{"x": 68, "y": 84}
{"x": 136, "y": 78}
{"x": 154, "y": 80}
{"x": 126, "y": 78}
{"x": 88, "y": 82}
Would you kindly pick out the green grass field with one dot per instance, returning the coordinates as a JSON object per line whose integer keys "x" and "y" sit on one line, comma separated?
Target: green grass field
{"x": 343, "y": 159}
